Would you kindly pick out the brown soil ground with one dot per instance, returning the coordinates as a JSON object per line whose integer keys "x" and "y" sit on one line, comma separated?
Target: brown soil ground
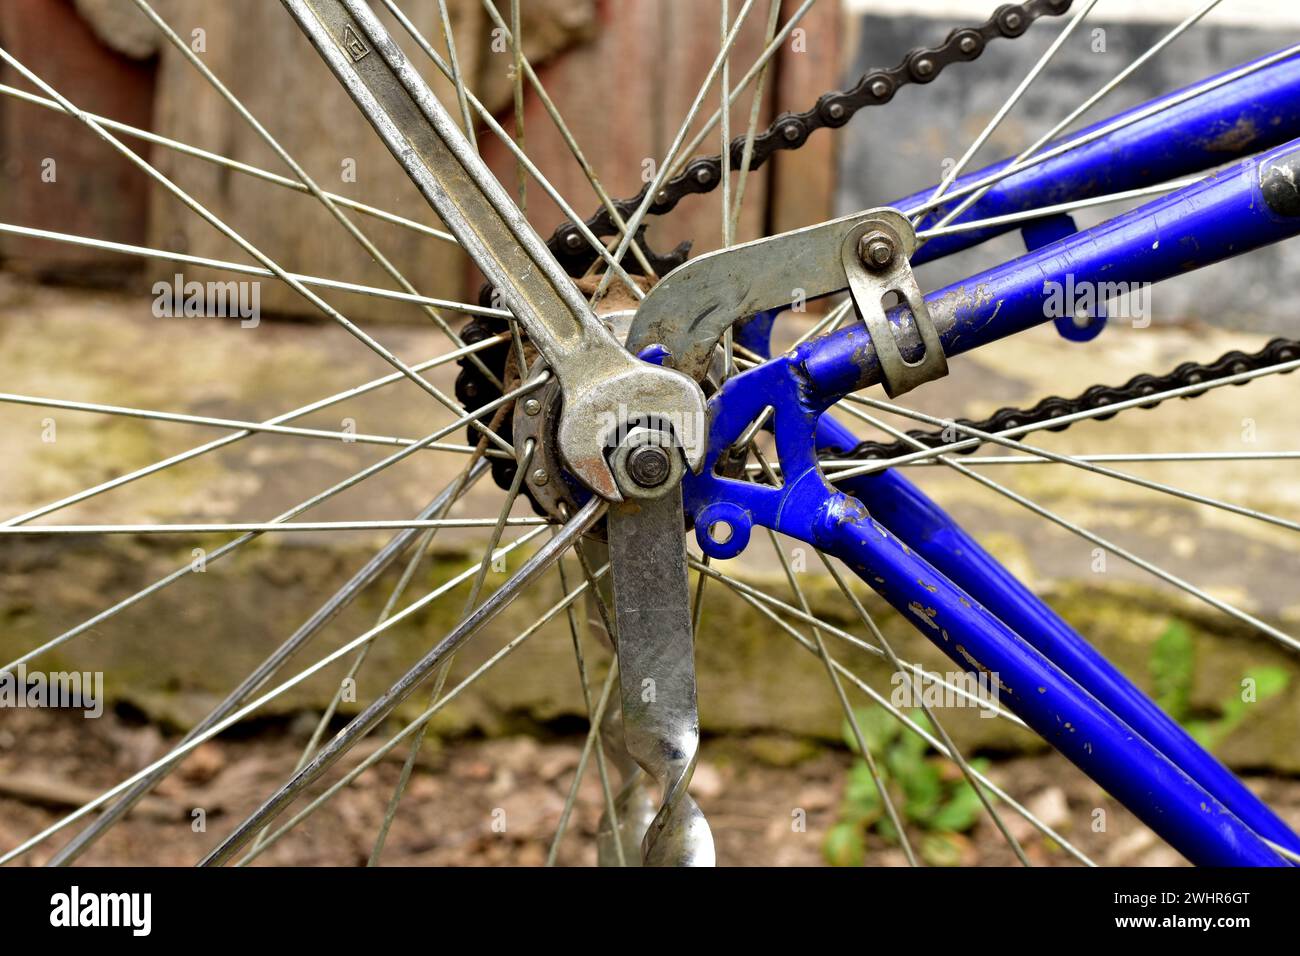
{"x": 750, "y": 790}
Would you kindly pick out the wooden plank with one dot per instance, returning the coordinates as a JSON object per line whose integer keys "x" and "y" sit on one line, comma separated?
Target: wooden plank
{"x": 56, "y": 174}
{"x": 626, "y": 77}
{"x": 812, "y": 63}
{"x": 624, "y": 96}
{"x": 257, "y": 50}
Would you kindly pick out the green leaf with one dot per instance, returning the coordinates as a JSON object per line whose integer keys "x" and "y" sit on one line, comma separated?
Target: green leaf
{"x": 1172, "y": 665}
{"x": 1269, "y": 681}
{"x": 878, "y": 729}
{"x": 845, "y": 845}
{"x": 940, "y": 849}
{"x": 861, "y": 786}
{"x": 885, "y": 827}
{"x": 862, "y": 805}
{"x": 924, "y": 791}
{"x": 960, "y": 811}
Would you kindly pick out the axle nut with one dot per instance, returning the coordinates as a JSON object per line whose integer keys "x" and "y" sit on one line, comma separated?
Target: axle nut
{"x": 649, "y": 466}
{"x": 647, "y": 463}
{"x": 876, "y": 250}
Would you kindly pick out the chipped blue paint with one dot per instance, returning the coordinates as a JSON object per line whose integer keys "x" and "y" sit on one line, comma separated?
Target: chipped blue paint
{"x": 917, "y": 558}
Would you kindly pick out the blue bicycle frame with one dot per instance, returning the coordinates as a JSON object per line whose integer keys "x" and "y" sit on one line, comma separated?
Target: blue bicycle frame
{"x": 914, "y": 555}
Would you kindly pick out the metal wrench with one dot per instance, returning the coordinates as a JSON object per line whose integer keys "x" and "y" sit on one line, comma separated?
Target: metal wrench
{"x": 604, "y": 389}
{"x": 602, "y": 383}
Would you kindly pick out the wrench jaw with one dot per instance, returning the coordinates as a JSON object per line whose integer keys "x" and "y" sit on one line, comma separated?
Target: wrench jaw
{"x": 594, "y": 412}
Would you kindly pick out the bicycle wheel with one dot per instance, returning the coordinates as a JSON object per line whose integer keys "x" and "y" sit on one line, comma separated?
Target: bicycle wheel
{"x": 504, "y": 426}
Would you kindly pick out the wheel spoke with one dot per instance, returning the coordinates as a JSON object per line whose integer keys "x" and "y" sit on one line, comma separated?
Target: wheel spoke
{"x": 225, "y": 549}
{"x": 724, "y": 135}
{"x": 863, "y": 750}
{"x": 341, "y": 599}
{"x": 189, "y": 746}
{"x": 755, "y": 109}
{"x": 595, "y": 717}
{"x": 520, "y": 156}
{"x": 380, "y": 708}
{"x": 593, "y": 734}
{"x": 1088, "y": 104}
{"x": 263, "y": 527}
{"x": 517, "y": 84}
{"x": 937, "y": 744}
{"x": 444, "y": 669}
{"x": 829, "y": 323}
{"x": 249, "y": 270}
{"x": 217, "y": 223}
{"x": 415, "y": 725}
{"x": 764, "y": 602}
{"x": 580, "y": 658}
{"x": 364, "y": 241}
{"x": 150, "y": 414}
{"x": 311, "y": 784}
{"x": 1095, "y": 469}
{"x": 1028, "y": 459}
{"x": 457, "y": 78}
{"x": 1041, "y": 212}
{"x": 925, "y": 453}
{"x": 965, "y": 768}
{"x": 683, "y": 156}
{"x": 1011, "y": 101}
{"x": 239, "y": 436}
{"x": 462, "y": 483}
{"x": 1105, "y": 130}
{"x": 958, "y": 758}
{"x": 234, "y": 165}
{"x": 1268, "y": 630}
{"x": 661, "y": 175}
{"x": 553, "y": 112}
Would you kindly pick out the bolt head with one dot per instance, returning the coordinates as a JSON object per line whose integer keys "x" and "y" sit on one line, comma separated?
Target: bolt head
{"x": 539, "y": 476}
{"x": 649, "y": 466}
{"x": 661, "y": 197}
{"x": 532, "y": 406}
{"x": 968, "y": 44}
{"x": 790, "y": 131}
{"x": 704, "y": 175}
{"x": 1012, "y": 21}
{"x": 923, "y": 66}
{"x": 876, "y": 250}
{"x": 835, "y": 111}
{"x": 573, "y": 240}
{"x": 880, "y": 89}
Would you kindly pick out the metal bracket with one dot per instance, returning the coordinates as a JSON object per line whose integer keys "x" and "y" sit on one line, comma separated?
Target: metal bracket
{"x": 688, "y": 311}
{"x": 656, "y": 664}
{"x": 875, "y": 254}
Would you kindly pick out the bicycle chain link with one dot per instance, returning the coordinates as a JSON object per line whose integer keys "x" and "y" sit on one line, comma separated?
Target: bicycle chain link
{"x": 789, "y": 131}
{"x": 1097, "y": 396}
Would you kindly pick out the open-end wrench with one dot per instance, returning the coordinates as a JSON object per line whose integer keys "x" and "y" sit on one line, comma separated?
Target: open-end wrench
{"x": 603, "y": 385}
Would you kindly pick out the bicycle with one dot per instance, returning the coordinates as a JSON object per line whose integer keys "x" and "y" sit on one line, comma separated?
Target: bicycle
{"x": 625, "y": 428}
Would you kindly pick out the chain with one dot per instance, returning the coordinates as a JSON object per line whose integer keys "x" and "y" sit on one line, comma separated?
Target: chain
{"x": 789, "y": 131}
{"x": 1098, "y": 396}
